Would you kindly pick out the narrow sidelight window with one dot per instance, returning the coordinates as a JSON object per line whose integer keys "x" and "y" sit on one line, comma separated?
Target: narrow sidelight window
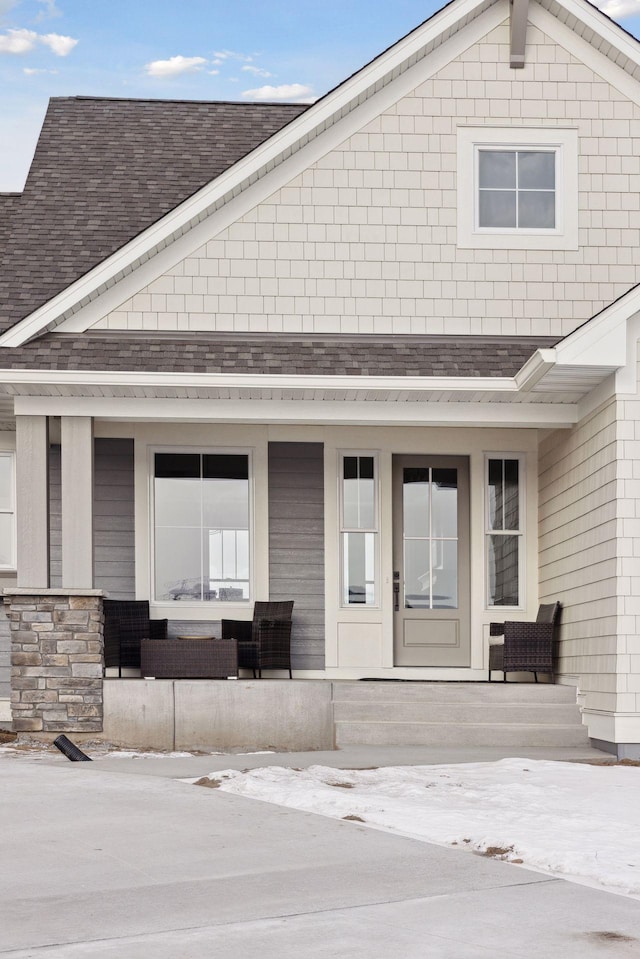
{"x": 359, "y": 531}
{"x": 7, "y": 511}
{"x": 202, "y": 527}
{"x": 504, "y": 531}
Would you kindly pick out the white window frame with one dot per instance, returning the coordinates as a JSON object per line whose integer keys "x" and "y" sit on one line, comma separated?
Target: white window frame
{"x": 200, "y": 603}
{"x": 342, "y": 529}
{"x": 520, "y": 532}
{"x": 563, "y": 142}
{"x": 10, "y": 456}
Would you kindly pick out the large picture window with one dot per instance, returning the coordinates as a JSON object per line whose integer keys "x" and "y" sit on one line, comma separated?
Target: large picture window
{"x": 202, "y": 527}
{"x": 7, "y": 511}
{"x": 359, "y": 531}
{"x": 504, "y": 531}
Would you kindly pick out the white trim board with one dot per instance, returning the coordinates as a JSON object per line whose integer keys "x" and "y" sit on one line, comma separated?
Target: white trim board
{"x": 325, "y": 412}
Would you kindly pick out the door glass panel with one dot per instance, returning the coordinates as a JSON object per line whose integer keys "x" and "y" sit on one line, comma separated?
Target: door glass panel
{"x": 445, "y": 574}
{"x": 415, "y": 505}
{"x": 444, "y": 502}
{"x": 417, "y": 574}
{"x": 430, "y": 519}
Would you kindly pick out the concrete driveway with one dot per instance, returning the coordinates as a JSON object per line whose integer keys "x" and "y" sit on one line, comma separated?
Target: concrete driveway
{"x": 116, "y": 858}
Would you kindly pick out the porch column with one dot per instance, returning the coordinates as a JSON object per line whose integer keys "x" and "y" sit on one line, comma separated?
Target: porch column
{"x": 77, "y": 501}
{"x": 32, "y": 500}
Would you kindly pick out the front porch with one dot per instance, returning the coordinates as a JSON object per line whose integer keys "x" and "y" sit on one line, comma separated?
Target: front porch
{"x": 299, "y": 715}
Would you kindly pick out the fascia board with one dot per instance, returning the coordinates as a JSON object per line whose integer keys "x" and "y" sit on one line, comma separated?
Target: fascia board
{"x": 318, "y": 118}
{"x": 303, "y": 412}
{"x": 602, "y": 341}
{"x": 600, "y": 63}
{"x": 535, "y": 369}
{"x": 255, "y": 381}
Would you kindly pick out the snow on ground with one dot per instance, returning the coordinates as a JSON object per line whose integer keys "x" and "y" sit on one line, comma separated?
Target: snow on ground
{"x": 575, "y": 821}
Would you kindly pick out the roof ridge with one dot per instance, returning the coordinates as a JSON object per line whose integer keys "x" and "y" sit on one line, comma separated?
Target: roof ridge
{"x": 236, "y": 103}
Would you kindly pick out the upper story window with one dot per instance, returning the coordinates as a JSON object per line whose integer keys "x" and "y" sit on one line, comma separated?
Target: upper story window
{"x": 202, "y": 542}
{"x": 517, "y": 188}
{"x": 7, "y": 510}
{"x": 359, "y": 531}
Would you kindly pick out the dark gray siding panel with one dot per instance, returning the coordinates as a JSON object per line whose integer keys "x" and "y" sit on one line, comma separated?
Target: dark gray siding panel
{"x": 296, "y": 544}
{"x": 113, "y": 517}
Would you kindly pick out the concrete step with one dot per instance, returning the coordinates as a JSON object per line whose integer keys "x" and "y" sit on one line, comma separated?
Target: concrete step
{"x": 459, "y": 734}
{"x": 559, "y": 714}
{"x": 363, "y": 691}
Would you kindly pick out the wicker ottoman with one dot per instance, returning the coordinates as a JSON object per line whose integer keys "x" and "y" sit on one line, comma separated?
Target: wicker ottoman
{"x": 189, "y": 658}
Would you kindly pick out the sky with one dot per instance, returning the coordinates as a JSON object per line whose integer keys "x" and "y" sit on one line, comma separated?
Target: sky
{"x": 276, "y": 50}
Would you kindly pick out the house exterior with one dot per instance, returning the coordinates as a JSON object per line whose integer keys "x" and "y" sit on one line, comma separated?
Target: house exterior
{"x": 378, "y": 355}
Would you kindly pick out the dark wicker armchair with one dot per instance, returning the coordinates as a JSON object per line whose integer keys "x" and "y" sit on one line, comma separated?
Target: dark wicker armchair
{"x": 527, "y": 647}
{"x": 126, "y": 623}
{"x": 264, "y": 643}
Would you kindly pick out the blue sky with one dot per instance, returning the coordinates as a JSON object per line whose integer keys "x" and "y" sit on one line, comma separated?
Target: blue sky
{"x": 189, "y": 49}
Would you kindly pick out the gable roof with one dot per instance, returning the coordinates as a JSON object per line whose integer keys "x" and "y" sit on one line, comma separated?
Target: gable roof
{"x": 106, "y": 169}
{"x": 580, "y": 22}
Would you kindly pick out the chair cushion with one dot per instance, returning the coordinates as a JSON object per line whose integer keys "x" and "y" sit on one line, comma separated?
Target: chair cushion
{"x": 496, "y": 640}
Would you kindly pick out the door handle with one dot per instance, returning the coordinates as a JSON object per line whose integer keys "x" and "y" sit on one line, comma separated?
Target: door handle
{"x": 396, "y": 591}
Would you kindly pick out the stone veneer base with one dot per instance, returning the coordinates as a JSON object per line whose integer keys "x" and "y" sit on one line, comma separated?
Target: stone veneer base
{"x": 56, "y": 660}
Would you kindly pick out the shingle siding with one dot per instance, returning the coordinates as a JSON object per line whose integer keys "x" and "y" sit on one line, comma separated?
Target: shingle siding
{"x": 578, "y": 549}
{"x": 365, "y": 240}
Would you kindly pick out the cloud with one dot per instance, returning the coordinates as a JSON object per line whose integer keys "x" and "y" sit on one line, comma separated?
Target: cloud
{"x": 286, "y": 91}
{"x": 257, "y": 71}
{"x": 33, "y": 71}
{"x": 50, "y": 10}
{"x": 619, "y": 9}
{"x": 61, "y": 46}
{"x": 231, "y": 55}
{"x": 174, "y": 66}
{"x": 24, "y": 41}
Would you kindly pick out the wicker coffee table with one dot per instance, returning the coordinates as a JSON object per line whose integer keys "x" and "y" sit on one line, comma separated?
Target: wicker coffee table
{"x": 189, "y": 658}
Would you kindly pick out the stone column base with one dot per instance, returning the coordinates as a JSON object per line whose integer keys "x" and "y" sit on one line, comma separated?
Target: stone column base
{"x": 56, "y": 659}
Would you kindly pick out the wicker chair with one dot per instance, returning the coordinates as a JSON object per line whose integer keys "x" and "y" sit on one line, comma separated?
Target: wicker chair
{"x": 526, "y": 647}
{"x": 126, "y": 623}
{"x": 264, "y": 643}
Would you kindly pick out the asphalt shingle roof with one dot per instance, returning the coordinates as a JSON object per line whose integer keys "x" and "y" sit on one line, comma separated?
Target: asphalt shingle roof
{"x": 294, "y": 355}
{"x": 103, "y": 171}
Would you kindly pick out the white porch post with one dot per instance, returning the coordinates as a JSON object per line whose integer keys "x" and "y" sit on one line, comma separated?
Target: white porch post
{"x": 32, "y": 500}
{"x": 77, "y": 501}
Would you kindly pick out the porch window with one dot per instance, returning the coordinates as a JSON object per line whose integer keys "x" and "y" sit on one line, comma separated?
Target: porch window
{"x": 359, "y": 531}
{"x": 7, "y": 511}
{"x": 504, "y": 531}
{"x": 202, "y": 527}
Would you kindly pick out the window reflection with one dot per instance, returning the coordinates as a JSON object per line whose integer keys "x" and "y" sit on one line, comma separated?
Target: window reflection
{"x": 202, "y": 544}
